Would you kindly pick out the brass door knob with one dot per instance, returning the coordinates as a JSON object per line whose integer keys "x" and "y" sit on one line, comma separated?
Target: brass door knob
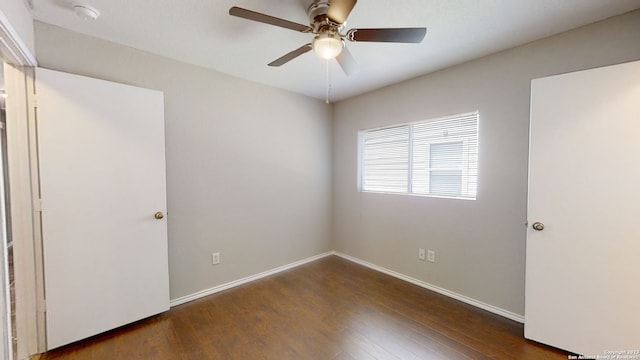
{"x": 159, "y": 215}
{"x": 538, "y": 226}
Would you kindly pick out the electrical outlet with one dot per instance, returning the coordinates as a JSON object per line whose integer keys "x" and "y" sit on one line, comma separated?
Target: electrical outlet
{"x": 421, "y": 254}
{"x": 431, "y": 256}
{"x": 215, "y": 258}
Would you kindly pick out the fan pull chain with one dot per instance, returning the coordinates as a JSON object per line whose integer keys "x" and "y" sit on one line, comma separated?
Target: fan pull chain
{"x": 328, "y": 84}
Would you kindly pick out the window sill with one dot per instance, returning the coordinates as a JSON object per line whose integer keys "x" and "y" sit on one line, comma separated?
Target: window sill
{"x": 416, "y": 195}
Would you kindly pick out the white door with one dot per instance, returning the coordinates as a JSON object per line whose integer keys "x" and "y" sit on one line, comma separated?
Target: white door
{"x": 102, "y": 177}
{"x": 583, "y": 268}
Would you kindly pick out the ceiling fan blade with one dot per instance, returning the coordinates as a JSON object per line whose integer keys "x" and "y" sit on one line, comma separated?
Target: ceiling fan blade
{"x": 397, "y": 35}
{"x": 267, "y": 19}
{"x": 292, "y": 55}
{"x": 347, "y": 62}
{"x": 339, "y": 10}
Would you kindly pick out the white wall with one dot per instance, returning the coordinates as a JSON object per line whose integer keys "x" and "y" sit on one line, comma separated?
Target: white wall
{"x": 18, "y": 15}
{"x": 480, "y": 245}
{"x": 248, "y": 166}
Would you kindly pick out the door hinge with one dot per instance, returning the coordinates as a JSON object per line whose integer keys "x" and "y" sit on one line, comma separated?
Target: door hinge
{"x": 34, "y": 100}
{"x": 37, "y": 205}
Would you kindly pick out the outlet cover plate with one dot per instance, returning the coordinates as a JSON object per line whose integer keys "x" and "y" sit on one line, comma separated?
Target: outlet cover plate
{"x": 431, "y": 256}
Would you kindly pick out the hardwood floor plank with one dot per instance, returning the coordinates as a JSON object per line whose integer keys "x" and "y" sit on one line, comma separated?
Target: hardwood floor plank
{"x": 404, "y": 334}
{"x": 328, "y": 309}
{"x": 377, "y": 350}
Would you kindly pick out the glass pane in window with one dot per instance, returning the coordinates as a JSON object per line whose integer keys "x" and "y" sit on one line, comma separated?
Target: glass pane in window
{"x": 445, "y": 176}
{"x": 446, "y": 155}
{"x": 446, "y": 182}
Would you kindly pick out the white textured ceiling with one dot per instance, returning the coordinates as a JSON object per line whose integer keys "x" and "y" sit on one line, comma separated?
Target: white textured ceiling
{"x": 201, "y": 32}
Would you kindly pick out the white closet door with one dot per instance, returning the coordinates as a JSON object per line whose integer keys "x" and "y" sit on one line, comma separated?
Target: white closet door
{"x": 102, "y": 176}
{"x": 582, "y": 269}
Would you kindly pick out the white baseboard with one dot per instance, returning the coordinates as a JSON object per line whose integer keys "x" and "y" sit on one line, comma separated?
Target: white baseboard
{"x": 439, "y": 290}
{"x": 229, "y": 285}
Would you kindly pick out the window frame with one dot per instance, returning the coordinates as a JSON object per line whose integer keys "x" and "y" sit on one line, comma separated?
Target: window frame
{"x": 465, "y": 169}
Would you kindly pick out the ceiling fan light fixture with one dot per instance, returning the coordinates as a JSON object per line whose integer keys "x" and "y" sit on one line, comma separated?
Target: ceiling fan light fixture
{"x": 328, "y": 45}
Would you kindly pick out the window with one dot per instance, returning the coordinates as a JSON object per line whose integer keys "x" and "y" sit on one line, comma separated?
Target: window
{"x": 436, "y": 157}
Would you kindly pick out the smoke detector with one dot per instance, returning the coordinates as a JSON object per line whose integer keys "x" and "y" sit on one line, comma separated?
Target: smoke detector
{"x": 86, "y": 12}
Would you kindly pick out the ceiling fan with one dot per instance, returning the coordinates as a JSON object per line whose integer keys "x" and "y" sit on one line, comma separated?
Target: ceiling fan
{"x": 327, "y": 18}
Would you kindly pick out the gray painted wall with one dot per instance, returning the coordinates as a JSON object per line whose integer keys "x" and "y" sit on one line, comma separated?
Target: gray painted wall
{"x": 248, "y": 166}
{"x": 480, "y": 245}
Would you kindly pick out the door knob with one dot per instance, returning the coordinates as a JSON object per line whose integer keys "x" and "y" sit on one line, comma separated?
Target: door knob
{"x": 159, "y": 215}
{"x": 538, "y": 226}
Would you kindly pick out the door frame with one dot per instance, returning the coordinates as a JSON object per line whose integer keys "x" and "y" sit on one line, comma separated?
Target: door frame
{"x": 6, "y": 342}
{"x": 23, "y": 179}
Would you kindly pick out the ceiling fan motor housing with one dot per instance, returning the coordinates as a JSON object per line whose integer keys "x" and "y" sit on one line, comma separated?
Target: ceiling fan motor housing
{"x": 318, "y": 19}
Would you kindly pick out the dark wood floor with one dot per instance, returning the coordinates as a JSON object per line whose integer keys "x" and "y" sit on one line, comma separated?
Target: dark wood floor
{"x": 328, "y": 309}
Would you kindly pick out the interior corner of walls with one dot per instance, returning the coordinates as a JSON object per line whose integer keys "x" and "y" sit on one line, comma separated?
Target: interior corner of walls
{"x": 465, "y": 299}
{"x": 210, "y": 291}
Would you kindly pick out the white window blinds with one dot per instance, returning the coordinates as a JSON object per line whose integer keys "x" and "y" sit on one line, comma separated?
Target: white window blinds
{"x": 435, "y": 157}
{"x": 386, "y": 159}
